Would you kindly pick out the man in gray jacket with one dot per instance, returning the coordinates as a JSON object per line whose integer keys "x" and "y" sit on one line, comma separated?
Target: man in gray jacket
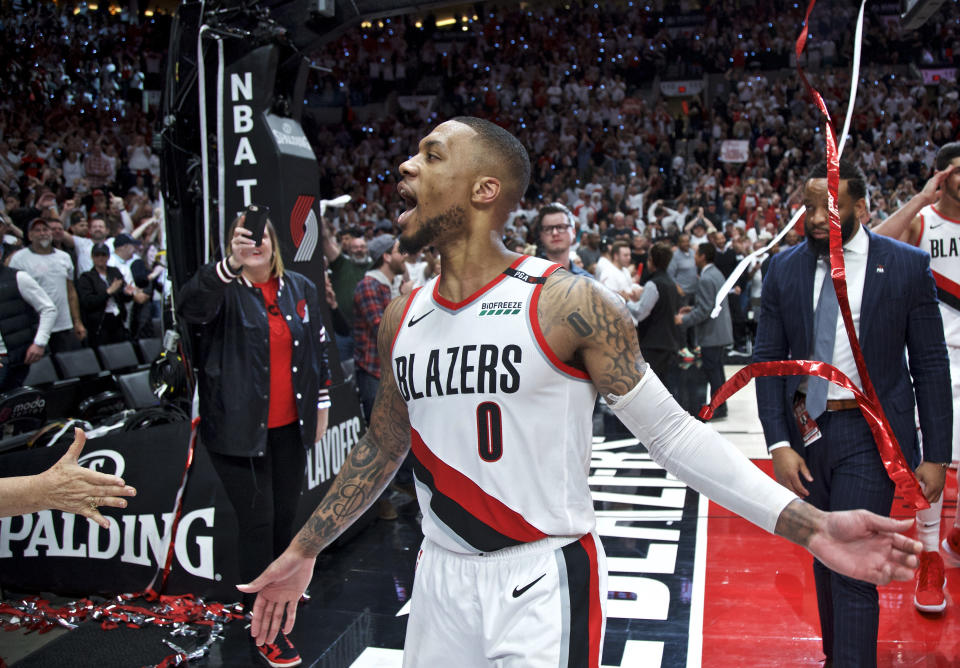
{"x": 714, "y": 334}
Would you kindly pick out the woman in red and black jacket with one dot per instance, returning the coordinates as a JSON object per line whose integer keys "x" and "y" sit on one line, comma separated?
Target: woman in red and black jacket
{"x": 263, "y": 377}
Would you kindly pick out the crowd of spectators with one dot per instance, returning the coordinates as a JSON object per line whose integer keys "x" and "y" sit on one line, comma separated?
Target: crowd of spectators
{"x": 599, "y": 131}
{"x": 580, "y": 86}
{"x": 80, "y": 210}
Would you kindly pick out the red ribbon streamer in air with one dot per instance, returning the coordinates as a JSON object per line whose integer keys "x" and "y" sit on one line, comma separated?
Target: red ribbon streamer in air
{"x": 890, "y": 453}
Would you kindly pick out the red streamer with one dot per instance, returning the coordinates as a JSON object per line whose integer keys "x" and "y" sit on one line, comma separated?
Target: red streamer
{"x": 893, "y": 461}
{"x": 152, "y": 592}
{"x": 896, "y": 465}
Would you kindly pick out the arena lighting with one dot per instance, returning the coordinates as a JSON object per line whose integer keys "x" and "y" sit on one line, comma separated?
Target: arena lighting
{"x": 443, "y": 23}
{"x": 93, "y": 6}
{"x": 148, "y": 13}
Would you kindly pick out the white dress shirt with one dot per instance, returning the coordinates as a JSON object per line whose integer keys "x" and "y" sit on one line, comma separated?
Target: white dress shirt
{"x": 855, "y": 263}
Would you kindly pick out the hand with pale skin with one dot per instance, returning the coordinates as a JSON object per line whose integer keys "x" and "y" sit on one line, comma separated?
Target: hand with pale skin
{"x": 323, "y": 416}
{"x": 241, "y": 245}
{"x": 34, "y": 353}
{"x": 330, "y": 295}
{"x": 65, "y": 486}
{"x": 931, "y": 190}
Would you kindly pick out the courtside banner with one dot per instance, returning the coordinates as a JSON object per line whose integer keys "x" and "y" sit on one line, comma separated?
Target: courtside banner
{"x": 65, "y": 553}
{"x": 61, "y": 552}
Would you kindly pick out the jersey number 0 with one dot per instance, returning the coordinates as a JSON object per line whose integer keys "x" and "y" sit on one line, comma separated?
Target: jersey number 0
{"x": 489, "y": 431}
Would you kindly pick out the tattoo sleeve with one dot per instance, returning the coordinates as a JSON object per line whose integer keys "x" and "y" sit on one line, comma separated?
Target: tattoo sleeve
{"x": 590, "y": 327}
{"x": 372, "y": 462}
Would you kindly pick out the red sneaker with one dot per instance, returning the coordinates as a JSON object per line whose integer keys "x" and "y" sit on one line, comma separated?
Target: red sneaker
{"x": 930, "y": 584}
{"x": 951, "y": 545}
{"x": 281, "y": 653}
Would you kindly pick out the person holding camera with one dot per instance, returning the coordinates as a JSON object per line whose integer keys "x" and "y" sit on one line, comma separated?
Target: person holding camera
{"x": 263, "y": 377}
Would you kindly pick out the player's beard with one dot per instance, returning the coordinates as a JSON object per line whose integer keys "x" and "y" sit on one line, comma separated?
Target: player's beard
{"x": 822, "y": 246}
{"x": 435, "y": 230}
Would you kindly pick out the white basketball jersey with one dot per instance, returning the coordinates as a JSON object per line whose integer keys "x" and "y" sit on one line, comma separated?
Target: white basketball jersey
{"x": 940, "y": 237}
{"x": 501, "y": 430}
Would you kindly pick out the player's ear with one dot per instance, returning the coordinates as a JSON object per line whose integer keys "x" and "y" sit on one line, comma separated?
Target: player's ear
{"x": 860, "y": 210}
{"x": 486, "y": 190}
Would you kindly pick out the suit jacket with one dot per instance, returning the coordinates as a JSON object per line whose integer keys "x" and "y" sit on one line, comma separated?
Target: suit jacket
{"x": 898, "y": 312}
{"x": 711, "y": 332}
{"x": 92, "y": 294}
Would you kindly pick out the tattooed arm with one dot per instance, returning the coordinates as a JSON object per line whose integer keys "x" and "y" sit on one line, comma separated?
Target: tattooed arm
{"x": 365, "y": 474}
{"x": 589, "y": 327}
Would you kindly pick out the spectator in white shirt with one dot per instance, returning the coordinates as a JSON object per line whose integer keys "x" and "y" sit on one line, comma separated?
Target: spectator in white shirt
{"x": 53, "y": 269}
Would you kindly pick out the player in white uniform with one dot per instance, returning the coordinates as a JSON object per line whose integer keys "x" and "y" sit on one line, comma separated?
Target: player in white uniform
{"x": 489, "y": 375}
{"x": 931, "y": 221}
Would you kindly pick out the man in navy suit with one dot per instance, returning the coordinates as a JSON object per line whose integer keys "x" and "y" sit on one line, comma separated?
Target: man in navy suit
{"x": 821, "y": 446}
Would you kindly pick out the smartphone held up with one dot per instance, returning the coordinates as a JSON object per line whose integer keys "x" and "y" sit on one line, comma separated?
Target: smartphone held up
{"x": 256, "y": 220}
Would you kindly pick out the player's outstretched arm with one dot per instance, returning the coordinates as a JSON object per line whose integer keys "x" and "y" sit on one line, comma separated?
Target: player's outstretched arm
{"x": 366, "y": 472}
{"x": 589, "y": 326}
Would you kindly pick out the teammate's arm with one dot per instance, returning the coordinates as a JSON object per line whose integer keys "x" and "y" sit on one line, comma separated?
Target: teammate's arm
{"x": 904, "y": 223}
{"x": 588, "y": 326}
{"x": 365, "y": 474}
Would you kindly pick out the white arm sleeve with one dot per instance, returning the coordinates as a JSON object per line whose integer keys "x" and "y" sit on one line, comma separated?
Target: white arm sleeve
{"x": 697, "y": 455}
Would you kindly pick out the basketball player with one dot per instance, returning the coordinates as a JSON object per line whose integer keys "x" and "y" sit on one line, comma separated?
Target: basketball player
{"x": 489, "y": 376}
{"x": 931, "y": 221}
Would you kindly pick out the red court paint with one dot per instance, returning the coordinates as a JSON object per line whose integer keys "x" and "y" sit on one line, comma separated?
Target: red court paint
{"x": 760, "y": 607}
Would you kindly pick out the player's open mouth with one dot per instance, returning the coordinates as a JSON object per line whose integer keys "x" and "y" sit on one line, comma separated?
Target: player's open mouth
{"x": 409, "y": 199}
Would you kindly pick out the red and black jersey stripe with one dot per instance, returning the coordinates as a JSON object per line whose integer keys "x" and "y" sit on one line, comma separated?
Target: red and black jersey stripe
{"x": 947, "y": 291}
{"x": 482, "y": 521}
{"x": 586, "y": 618}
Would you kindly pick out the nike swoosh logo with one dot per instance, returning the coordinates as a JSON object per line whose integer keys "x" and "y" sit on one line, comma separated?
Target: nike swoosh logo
{"x": 933, "y": 227}
{"x": 519, "y": 591}
{"x": 414, "y": 321}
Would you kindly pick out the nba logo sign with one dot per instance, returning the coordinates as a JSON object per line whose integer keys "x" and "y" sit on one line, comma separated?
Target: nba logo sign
{"x": 304, "y": 228}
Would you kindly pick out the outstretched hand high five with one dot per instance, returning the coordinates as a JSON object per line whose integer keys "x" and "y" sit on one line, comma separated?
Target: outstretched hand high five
{"x": 279, "y": 589}
{"x": 65, "y": 486}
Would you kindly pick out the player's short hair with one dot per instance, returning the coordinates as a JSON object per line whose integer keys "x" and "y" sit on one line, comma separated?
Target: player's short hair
{"x": 849, "y": 172}
{"x": 947, "y": 154}
{"x": 661, "y": 254}
{"x": 504, "y": 149}
{"x": 617, "y": 245}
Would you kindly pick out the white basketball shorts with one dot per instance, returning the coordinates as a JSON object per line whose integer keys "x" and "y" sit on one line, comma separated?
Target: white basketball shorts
{"x": 532, "y": 605}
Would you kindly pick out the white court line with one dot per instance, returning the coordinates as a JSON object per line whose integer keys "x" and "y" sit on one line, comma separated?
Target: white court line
{"x": 377, "y": 657}
{"x": 695, "y": 633}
